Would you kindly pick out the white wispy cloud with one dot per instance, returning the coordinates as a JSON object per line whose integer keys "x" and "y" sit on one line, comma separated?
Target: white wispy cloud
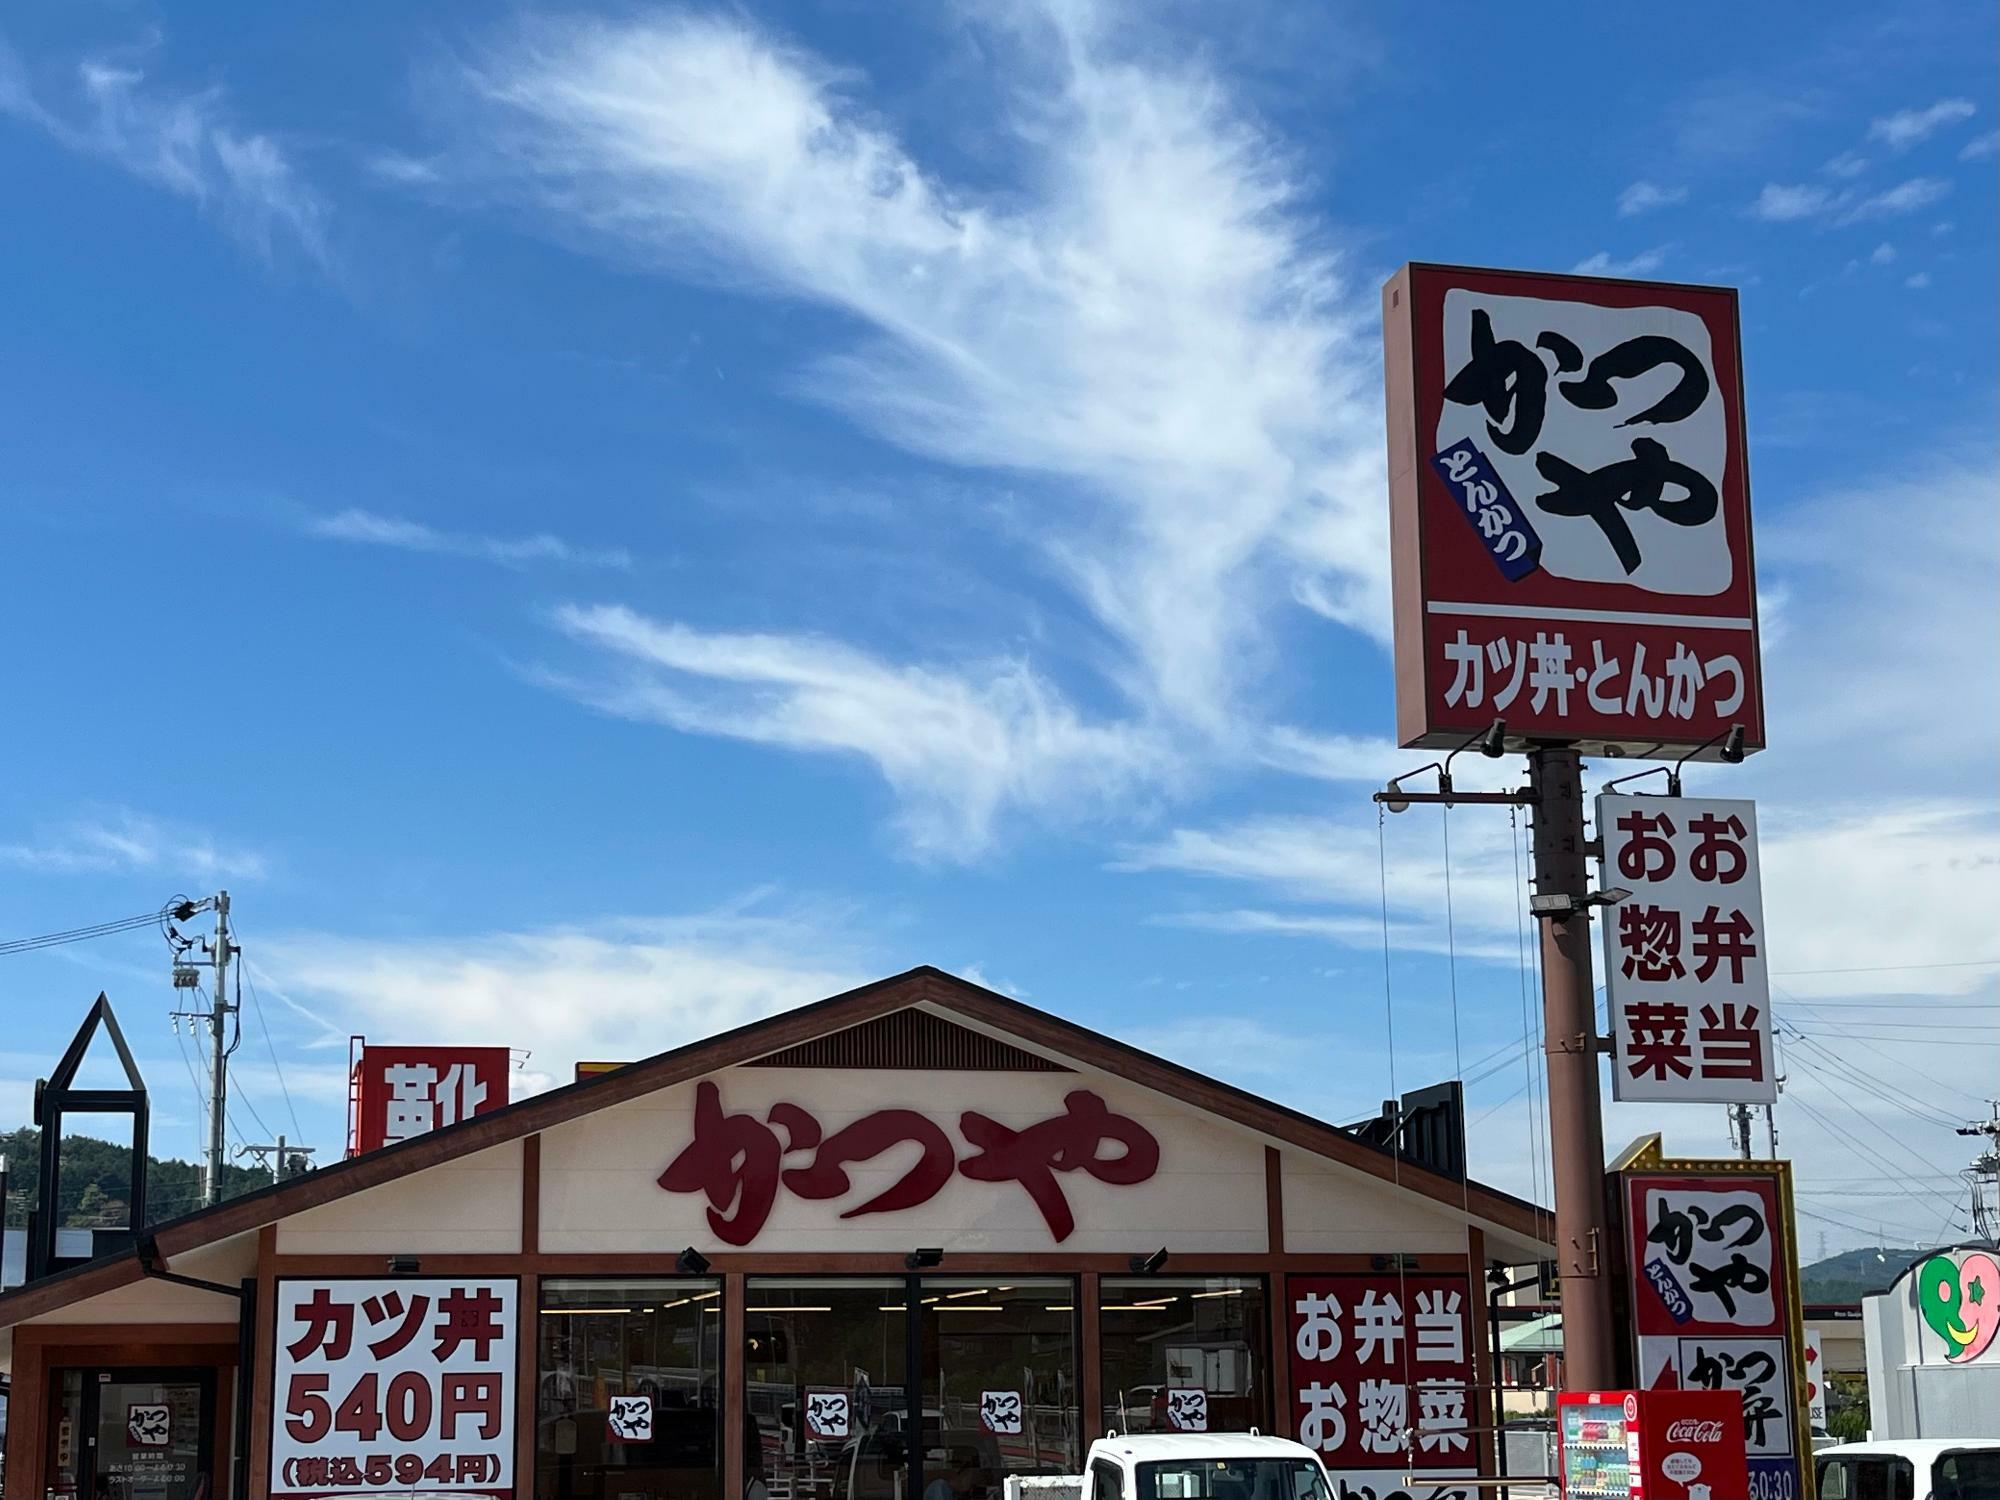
{"x": 1018, "y": 330}
{"x": 1643, "y": 264}
{"x": 1846, "y": 166}
{"x": 1333, "y": 876}
{"x": 118, "y": 840}
{"x": 1783, "y": 203}
{"x": 1908, "y": 127}
{"x": 960, "y": 746}
{"x": 182, "y": 140}
{"x": 616, "y": 989}
{"x": 371, "y": 529}
{"x": 1883, "y": 254}
{"x": 1917, "y": 282}
{"x": 1904, "y": 198}
{"x": 1643, "y": 197}
{"x": 1981, "y": 147}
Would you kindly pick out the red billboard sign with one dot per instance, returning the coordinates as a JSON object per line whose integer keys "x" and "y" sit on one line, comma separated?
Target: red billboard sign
{"x": 1715, "y": 1301}
{"x": 398, "y": 1093}
{"x": 1570, "y": 521}
{"x": 1382, "y": 1372}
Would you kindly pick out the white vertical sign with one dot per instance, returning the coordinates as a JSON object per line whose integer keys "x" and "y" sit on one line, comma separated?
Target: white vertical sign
{"x": 1815, "y": 1379}
{"x": 1685, "y": 953}
{"x": 402, "y": 1383}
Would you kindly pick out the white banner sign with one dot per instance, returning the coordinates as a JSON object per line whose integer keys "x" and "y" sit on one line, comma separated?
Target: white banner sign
{"x": 402, "y": 1383}
{"x": 1815, "y": 1379}
{"x": 1684, "y": 954}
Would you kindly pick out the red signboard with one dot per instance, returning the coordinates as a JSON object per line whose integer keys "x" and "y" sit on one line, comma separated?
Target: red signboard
{"x": 399, "y": 1093}
{"x": 1714, "y": 1303}
{"x": 1570, "y": 521}
{"x": 1382, "y": 1371}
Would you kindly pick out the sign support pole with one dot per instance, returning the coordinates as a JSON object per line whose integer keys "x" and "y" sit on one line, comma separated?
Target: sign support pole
{"x": 1576, "y": 1124}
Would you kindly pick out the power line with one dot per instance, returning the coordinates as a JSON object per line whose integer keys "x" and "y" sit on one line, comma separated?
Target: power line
{"x": 257, "y": 1005}
{"x": 1963, "y": 963}
{"x": 84, "y": 934}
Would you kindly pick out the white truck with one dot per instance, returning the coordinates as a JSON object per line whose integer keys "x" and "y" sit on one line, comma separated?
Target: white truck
{"x": 1186, "y": 1466}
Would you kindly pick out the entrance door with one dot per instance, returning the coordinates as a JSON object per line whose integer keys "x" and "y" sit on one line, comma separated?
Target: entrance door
{"x": 147, "y": 1434}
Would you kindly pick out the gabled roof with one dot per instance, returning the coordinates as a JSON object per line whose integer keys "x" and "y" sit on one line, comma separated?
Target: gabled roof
{"x": 923, "y": 985}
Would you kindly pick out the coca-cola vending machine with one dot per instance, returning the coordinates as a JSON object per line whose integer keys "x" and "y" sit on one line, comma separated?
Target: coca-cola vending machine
{"x": 1652, "y": 1445}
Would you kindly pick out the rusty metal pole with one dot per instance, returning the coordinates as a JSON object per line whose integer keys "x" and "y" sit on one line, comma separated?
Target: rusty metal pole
{"x": 1576, "y": 1125}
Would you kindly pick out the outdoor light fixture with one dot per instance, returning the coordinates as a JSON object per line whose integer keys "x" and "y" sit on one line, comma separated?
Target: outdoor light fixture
{"x": 1560, "y": 904}
{"x": 1148, "y": 1265}
{"x": 923, "y": 1260}
{"x": 1491, "y": 743}
{"x": 404, "y": 1265}
{"x": 691, "y": 1262}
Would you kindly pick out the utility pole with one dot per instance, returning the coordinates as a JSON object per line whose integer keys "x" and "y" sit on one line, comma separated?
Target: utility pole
{"x": 280, "y": 1156}
{"x": 218, "y": 1079}
{"x": 1739, "y": 1129}
{"x": 1561, "y": 903}
{"x": 1771, "y": 1126}
{"x": 1576, "y": 1120}
{"x": 1984, "y": 1176}
{"x": 221, "y": 954}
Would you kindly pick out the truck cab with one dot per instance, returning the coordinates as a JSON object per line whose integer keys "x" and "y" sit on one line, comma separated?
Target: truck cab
{"x": 1203, "y": 1466}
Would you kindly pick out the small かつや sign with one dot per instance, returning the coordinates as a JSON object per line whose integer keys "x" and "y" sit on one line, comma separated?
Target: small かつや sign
{"x": 1187, "y": 1409}
{"x": 1000, "y": 1412}
{"x": 630, "y": 1419}
{"x": 148, "y": 1424}
{"x": 828, "y": 1415}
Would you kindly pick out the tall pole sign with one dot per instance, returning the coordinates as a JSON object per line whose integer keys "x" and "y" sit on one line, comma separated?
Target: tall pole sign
{"x": 1570, "y": 528}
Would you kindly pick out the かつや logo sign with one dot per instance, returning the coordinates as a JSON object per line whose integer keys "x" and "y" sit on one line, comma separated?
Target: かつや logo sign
{"x": 1571, "y": 510}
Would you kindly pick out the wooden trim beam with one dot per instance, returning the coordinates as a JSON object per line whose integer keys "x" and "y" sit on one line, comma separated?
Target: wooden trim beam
{"x": 261, "y": 1372}
{"x": 865, "y": 1263}
{"x": 527, "y": 1382}
{"x": 734, "y": 1364}
{"x": 1274, "y": 1201}
{"x": 531, "y": 1194}
{"x": 1090, "y": 1356}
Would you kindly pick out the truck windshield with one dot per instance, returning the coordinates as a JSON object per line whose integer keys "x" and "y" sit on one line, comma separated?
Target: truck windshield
{"x": 1232, "y": 1479}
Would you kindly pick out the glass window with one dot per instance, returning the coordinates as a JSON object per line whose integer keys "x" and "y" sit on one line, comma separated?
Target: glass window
{"x": 629, "y": 1401}
{"x": 1163, "y": 1333}
{"x": 151, "y": 1436}
{"x": 824, "y": 1389}
{"x": 1861, "y": 1478}
{"x": 1107, "y": 1481}
{"x": 1000, "y": 1383}
{"x": 1969, "y": 1474}
{"x": 65, "y": 1473}
{"x": 1232, "y": 1479}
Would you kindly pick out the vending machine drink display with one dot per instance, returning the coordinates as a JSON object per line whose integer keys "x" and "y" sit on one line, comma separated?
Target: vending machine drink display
{"x": 1653, "y": 1445}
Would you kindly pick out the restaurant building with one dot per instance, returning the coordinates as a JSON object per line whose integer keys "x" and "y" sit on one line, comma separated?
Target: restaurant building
{"x": 758, "y": 1265}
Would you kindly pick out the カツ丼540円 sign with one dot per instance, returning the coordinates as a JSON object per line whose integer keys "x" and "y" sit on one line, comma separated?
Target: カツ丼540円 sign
{"x": 393, "y": 1383}
{"x": 1570, "y": 523}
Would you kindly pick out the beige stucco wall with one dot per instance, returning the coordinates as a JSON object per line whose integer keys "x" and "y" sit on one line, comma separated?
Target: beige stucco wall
{"x": 156, "y": 1301}
{"x": 470, "y": 1206}
{"x": 1335, "y": 1210}
{"x": 600, "y": 1193}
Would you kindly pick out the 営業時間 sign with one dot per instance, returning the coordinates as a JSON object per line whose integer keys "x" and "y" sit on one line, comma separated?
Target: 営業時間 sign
{"x": 1571, "y": 511}
{"x": 402, "y": 1383}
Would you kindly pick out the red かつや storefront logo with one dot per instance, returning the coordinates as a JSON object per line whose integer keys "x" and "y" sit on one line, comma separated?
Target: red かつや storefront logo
{"x": 739, "y": 1161}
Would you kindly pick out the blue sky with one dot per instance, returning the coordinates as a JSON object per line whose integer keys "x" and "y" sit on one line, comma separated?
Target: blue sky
{"x": 596, "y": 526}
